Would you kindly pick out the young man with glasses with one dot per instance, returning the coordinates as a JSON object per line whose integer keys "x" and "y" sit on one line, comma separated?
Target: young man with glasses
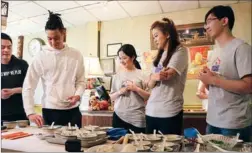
{"x": 229, "y": 79}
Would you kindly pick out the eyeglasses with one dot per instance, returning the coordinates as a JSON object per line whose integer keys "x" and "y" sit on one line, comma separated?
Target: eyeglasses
{"x": 209, "y": 20}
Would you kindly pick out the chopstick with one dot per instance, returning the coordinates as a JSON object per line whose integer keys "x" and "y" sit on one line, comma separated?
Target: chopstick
{"x": 52, "y": 125}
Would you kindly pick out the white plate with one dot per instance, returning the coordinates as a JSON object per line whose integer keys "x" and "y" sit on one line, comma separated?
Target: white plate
{"x": 90, "y": 127}
{"x": 145, "y": 143}
{"x": 152, "y": 137}
{"x": 89, "y": 136}
{"x": 105, "y": 128}
{"x": 54, "y": 127}
{"x": 56, "y": 140}
{"x": 158, "y": 149}
{"x": 173, "y": 137}
{"x": 116, "y": 148}
{"x": 42, "y": 136}
{"x": 148, "y": 137}
{"x": 167, "y": 144}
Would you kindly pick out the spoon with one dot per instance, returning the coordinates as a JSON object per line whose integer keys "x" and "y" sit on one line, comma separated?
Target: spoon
{"x": 52, "y": 125}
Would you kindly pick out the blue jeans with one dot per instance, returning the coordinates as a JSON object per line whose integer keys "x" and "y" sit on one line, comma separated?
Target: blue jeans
{"x": 245, "y": 133}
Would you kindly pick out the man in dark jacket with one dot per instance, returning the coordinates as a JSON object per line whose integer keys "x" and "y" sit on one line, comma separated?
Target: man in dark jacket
{"x": 13, "y": 71}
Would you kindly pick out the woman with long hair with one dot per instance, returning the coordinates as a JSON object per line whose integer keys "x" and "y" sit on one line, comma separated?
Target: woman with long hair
{"x": 164, "y": 110}
{"x": 128, "y": 92}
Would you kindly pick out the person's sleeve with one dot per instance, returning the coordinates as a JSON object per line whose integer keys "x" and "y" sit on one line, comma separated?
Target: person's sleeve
{"x": 25, "y": 68}
{"x": 80, "y": 78}
{"x": 144, "y": 78}
{"x": 113, "y": 86}
{"x": 179, "y": 60}
{"x": 243, "y": 59}
{"x": 33, "y": 74}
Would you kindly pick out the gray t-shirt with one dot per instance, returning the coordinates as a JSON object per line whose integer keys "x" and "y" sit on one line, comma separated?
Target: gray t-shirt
{"x": 166, "y": 99}
{"x": 227, "y": 109}
{"x": 130, "y": 107}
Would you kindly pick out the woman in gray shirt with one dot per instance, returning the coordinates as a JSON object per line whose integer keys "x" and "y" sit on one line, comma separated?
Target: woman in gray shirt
{"x": 164, "y": 110}
{"x": 128, "y": 92}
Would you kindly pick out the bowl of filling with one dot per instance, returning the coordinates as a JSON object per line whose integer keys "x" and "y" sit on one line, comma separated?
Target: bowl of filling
{"x": 22, "y": 123}
{"x": 50, "y": 130}
{"x": 10, "y": 125}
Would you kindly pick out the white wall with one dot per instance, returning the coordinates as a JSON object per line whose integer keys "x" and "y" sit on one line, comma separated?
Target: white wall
{"x": 137, "y": 29}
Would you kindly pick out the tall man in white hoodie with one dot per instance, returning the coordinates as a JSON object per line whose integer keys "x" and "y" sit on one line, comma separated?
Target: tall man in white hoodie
{"x": 61, "y": 71}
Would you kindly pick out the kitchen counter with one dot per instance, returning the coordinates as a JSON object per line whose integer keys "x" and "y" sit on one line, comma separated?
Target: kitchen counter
{"x": 30, "y": 143}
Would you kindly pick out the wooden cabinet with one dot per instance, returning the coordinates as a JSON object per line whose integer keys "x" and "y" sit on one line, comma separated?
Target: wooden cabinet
{"x": 100, "y": 118}
{"x": 196, "y": 120}
{"x": 104, "y": 118}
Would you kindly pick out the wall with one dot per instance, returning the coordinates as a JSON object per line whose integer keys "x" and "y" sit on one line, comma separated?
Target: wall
{"x": 136, "y": 31}
{"x": 83, "y": 38}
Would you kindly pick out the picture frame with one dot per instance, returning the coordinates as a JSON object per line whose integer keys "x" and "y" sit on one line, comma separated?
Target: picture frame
{"x": 107, "y": 82}
{"x": 112, "y": 49}
{"x": 198, "y": 58}
{"x": 189, "y": 35}
{"x": 194, "y": 35}
{"x": 4, "y": 9}
{"x": 108, "y": 66}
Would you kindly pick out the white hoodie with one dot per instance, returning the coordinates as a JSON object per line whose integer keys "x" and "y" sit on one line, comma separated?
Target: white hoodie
{"x": 62, "y": 76}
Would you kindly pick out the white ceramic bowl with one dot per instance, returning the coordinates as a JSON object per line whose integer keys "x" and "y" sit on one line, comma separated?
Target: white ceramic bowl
{"x": 50, "y": 130}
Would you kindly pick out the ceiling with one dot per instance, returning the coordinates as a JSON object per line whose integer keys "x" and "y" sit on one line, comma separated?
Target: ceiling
{"x": 28, "y": 17}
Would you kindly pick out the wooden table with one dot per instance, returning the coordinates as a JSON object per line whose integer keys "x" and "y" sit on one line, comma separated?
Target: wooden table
{"x": 31, "y": 143}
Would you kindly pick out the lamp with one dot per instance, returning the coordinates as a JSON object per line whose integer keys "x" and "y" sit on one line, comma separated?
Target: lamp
{"x": 93, "y": 67}
{"x": 93, "y": 70}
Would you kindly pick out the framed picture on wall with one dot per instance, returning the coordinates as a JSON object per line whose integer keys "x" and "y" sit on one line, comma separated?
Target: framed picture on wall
{"x": 108, "y": 66}
{"x": 189, "y": 35}
{"x": 194, "y": 35}
{"x": 198, "y": 56}
{"x": 107, "y": 82}
{"x": 112, "y": 49}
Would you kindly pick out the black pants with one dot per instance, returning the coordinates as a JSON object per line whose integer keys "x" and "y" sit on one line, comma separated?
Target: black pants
{"x": 62, "y": 117}
{"x": 119, "y": 123}
{"x": 13, "y": 117}
{"x": 169, "y": 125}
